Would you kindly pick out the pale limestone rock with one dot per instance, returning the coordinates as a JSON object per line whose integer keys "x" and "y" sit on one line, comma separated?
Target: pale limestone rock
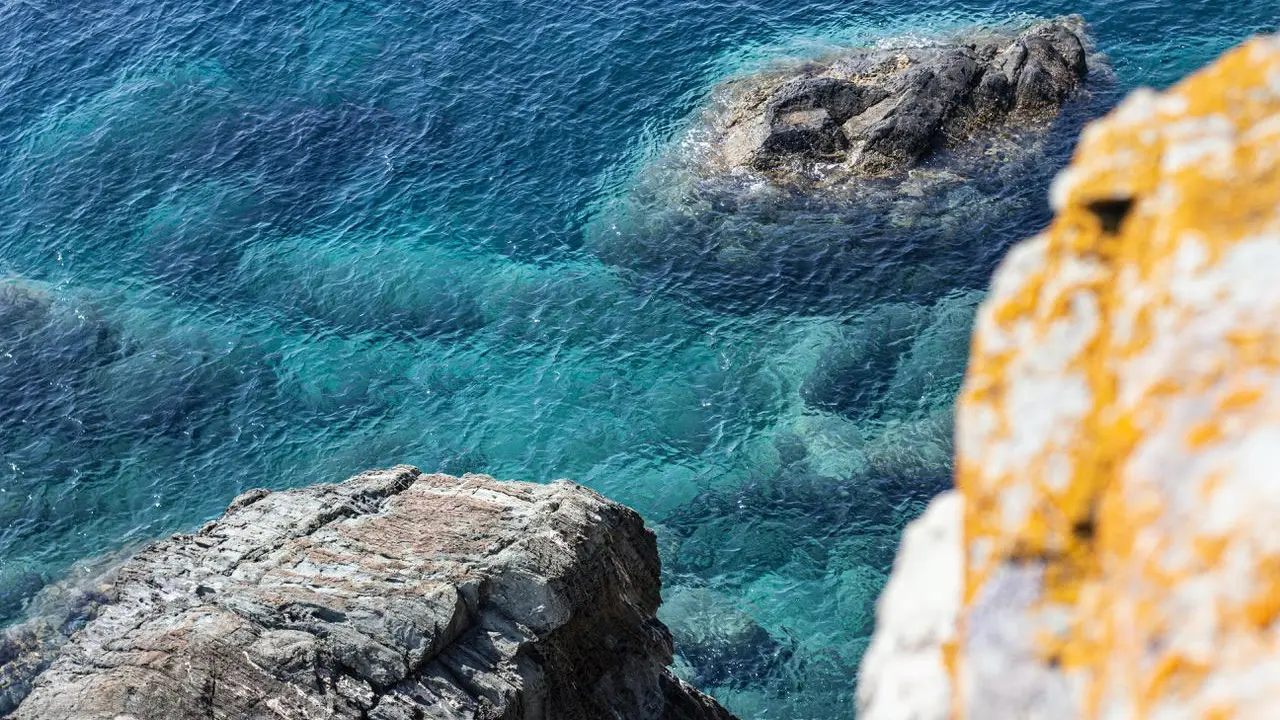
{"x": 904, "y": 676}
{"x": 391, "y": 596}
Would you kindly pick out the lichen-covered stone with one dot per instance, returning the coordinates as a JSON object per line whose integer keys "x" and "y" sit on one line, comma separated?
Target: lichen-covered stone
{"x": 1118, "y": 436}
{"x": 391, "y": 596}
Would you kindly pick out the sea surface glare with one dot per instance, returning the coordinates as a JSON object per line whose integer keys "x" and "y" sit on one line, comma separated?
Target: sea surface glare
{"x": 279, "y": 242}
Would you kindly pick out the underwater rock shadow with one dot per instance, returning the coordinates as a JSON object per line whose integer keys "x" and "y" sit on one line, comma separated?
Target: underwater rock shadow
{"x": 740, "y": 530}
{"x": 895, "y": 360}
{"x": 793, "y": 523}
{"x": 741, "y": 250}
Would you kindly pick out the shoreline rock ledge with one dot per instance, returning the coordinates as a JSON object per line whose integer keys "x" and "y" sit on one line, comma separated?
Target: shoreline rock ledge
{"x": 395, "y": 595}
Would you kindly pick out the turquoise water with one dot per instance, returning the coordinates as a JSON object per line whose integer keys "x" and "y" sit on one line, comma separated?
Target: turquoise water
{"x": 275, "y": 243}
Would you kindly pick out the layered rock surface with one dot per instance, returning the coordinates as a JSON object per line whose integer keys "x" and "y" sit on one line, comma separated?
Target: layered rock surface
{"x": 393, "y": 595}
{"x": 1112, "y": 549}
{"x": 882, "y": 110}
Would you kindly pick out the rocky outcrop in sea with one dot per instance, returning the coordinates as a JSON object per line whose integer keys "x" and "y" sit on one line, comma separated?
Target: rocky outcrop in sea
{"x": 1111, "y": 549}
{"x": 881, "y": 111}
{"x": 889, "y": 170}
{"x": 394, "y": 595}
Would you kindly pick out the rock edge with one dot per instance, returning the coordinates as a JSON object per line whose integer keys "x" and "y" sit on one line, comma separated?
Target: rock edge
{"x": 394, "y": 595}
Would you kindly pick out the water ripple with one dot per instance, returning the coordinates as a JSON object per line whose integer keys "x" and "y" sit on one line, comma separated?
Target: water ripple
{"x": 275, "y": 243}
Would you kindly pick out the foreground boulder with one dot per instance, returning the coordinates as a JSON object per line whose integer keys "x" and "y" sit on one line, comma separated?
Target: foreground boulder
{"x": 393, "y": 595}
{"x": 1113, "y": 548}
{"x": 882, "y": 110}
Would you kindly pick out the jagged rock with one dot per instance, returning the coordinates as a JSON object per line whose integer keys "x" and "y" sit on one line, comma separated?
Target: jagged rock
{"x": 893, "y": 172}
{"x": 882, "y": 110}
{"x": 1117, "y": 439}
{"x": 392, "y": 596}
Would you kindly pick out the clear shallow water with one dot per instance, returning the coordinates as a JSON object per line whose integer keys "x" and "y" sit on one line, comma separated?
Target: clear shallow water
{"x": 277, "y": 243}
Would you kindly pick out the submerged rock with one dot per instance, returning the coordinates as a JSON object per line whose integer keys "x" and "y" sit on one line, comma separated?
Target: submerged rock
{"x": 1111, "y": 549}
{"x": 51, "y": 344}
{"x": 393, "y": 595}
{"x": 893, "y": 172}
{"x": 853, "y": 373}
{"x": 748, "y": 531}
{"x": 722, "y": 643}
{"x": 48, "y": 339}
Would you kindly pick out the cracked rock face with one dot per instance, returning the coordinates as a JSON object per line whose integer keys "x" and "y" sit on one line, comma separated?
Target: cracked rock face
{"x": 880, "y": 111}
{"x": 393, "y": 595}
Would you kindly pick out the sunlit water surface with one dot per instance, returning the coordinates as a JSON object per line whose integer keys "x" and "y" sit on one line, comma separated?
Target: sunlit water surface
{"x": 276, "y": 243}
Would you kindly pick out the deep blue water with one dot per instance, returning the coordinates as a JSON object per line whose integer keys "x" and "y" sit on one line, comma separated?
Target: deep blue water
{"x": 275, "y": 243}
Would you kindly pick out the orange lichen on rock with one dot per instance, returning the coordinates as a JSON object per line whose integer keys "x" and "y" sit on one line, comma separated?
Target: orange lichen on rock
{"x": 1119, "y": 432}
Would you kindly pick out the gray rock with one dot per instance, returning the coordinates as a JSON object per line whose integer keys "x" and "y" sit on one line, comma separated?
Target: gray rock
{"x": 893, "y": 172}
{"x": 392, "y": 596}
{"x": 904, "y": 673}
{"x": 881, "y": 111}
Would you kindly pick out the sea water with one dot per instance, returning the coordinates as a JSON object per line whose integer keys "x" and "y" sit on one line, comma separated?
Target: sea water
{"x": 273, "y": 243}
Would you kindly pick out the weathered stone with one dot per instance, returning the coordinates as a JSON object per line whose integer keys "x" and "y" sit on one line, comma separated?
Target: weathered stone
{"x": 1034, "y": 74}
{"x": 812, "y": 132}
{"x": 1117, "y": 437}
{"x": 841, "y": 98}
{"x": 394, "y": 595}
{"x": 883, "y": 110}
{"x": 861, "y": 176}
{"x": 931, "y": 90}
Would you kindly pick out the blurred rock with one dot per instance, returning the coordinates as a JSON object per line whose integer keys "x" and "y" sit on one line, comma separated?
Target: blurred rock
{"x": 1112, "y": 548}
{"x": 904, "y": 673}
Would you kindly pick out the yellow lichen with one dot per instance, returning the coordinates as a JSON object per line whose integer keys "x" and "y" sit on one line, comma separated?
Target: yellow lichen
{"x": 1158, "y": 196}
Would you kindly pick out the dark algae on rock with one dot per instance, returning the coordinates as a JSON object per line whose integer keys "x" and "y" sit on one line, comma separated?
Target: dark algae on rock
{"x": 392, "y": 596}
